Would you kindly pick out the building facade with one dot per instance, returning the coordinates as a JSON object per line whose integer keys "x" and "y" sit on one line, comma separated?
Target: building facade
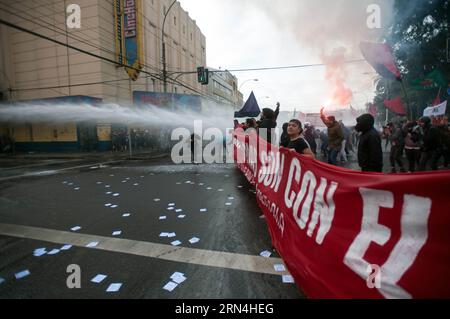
{"x": 27, "y": 61}
{"x": 122, "y": 31}
{"x": 223, "y": 86}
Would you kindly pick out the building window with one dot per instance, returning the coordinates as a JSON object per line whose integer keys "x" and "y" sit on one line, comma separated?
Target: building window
{"x": 184, "y": 29}
{"x": 191, "y": 36}
{"x": 175, "y": 20}
{"x": 153, "y": 85}
{"x": 175, "y": 90}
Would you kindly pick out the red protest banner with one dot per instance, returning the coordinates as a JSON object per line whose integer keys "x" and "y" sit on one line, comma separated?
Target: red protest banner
{"x": 346, "y": 234}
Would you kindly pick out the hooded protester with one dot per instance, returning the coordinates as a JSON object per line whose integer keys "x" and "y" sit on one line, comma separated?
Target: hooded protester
{"x": 431, "y": 144}
{"x": 370, "y": 153}
{"x": 268, "y": 124}
{"x": 335, "y": 137}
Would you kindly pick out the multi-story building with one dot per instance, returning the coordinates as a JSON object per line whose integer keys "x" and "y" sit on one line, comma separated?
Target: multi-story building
{"x": 128, "y": 32}
{"x": 223, "y": 86}
{"x": 28, "y": 61}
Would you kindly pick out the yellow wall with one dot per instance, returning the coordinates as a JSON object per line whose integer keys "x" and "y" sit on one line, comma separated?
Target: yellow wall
{"x": 45, "y": 133}
{"x": 104, "y": 132}
{"x": 21, "y": 133}
{"x": 54, "y": 132}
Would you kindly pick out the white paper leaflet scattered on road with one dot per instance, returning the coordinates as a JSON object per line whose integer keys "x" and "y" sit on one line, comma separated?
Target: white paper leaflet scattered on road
{"x": 136, "y": 184}
{"x": 170, "y": 208}
{"x": 66, "y": 247}
{"x": 117, "y": 233}
{"x": 176, "y": 243}
{"x": 39, "y": 252}
{"x": 201, "y": 184}
{"x": 98, "y": 279}
{"x": 108, "y": 205}
{"x": 156, "y": 199}
{"x": 220, "y": 190}
{"x": 178, "y": 277}
{"x": 231, "y": 198}
{"x": 76, "y": 188}
{"x": 75, "y": 228}
{"x": 240, "y": 186}
{"x": 178, "y": 210}
{"x": 92, "y": 244}
{"x": 227, "y": 204}
{"x": 162, "y": 217}
{"x": 288, "y": 279}
{"x": 181, "y": 216}
{"x": 209, "y": 188}
{"x": 265, "y": 253}
{"x": 114, "y": 287}
{"x": 164, "y": 235}
{"x": 203, "y": 210}
{"x": 108, "y": 193}
{"x": 116, "y": 194}
{"x": 279, "y": 267}
{"x": 107, "y": 186}
{"x": 170, "y": 286}
{"x": 171, "y": 204}
{"x": 126, "y": 215}
{"x": 22, "y": 274}
{"x": 194, "y": 240}
{"x": 171, "y": 235}
{"x": 98, "y": 183}
{"x": 53, "y": 252}
{"x": 114, "y": 206}
{"x": 262, "y": 216}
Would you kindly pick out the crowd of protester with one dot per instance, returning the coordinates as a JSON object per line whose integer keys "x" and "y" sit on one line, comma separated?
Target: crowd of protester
{"x": 412, "y": 145}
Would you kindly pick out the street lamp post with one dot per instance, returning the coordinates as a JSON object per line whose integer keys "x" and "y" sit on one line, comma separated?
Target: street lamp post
{"x": 164, "y": 47}
{"x": 255, "y": 80}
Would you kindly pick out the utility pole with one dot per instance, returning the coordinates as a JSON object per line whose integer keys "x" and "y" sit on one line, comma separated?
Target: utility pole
{"x": 164, "y": 47}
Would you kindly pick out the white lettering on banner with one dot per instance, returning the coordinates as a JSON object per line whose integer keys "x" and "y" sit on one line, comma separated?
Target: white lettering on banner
{"x": 272, "y": 167}
{"x": 290, "y": 196}
{"x": 274, "y": 210}
{"x": 323, "y": 210}
{"x": 414, "y": 233}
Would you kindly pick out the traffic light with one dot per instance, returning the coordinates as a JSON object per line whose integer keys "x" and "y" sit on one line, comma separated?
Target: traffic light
{"x": 202, "y": 75}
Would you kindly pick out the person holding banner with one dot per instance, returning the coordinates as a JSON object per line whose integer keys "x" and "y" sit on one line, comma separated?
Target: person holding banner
{"x": 297, "y": 142}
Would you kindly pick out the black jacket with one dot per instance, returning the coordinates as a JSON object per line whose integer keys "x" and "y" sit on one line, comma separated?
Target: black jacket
{"x": 265, "y": 129}
{"x": 430, "y": 139}
{"x": 370, "y": 153}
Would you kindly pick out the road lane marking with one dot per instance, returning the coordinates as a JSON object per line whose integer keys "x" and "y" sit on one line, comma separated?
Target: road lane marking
{"x": 201, "y": 257}
{"x": 56, "y": 171}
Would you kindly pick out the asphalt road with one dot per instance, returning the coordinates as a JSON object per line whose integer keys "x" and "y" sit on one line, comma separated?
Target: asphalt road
{"x": 39, "y": 211}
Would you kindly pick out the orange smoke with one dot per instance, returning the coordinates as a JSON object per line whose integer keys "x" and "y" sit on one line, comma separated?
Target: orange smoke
{"x": 335, "y": 75}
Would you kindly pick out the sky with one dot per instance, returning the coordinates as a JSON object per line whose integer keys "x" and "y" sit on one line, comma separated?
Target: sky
{"x": 267, "y": 33}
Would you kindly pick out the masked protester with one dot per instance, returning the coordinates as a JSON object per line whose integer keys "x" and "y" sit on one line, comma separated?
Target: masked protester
{"x": 370, "y": 153}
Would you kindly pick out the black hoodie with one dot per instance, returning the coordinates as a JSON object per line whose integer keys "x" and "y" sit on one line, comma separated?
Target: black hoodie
{"x": 370, "y": 153}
